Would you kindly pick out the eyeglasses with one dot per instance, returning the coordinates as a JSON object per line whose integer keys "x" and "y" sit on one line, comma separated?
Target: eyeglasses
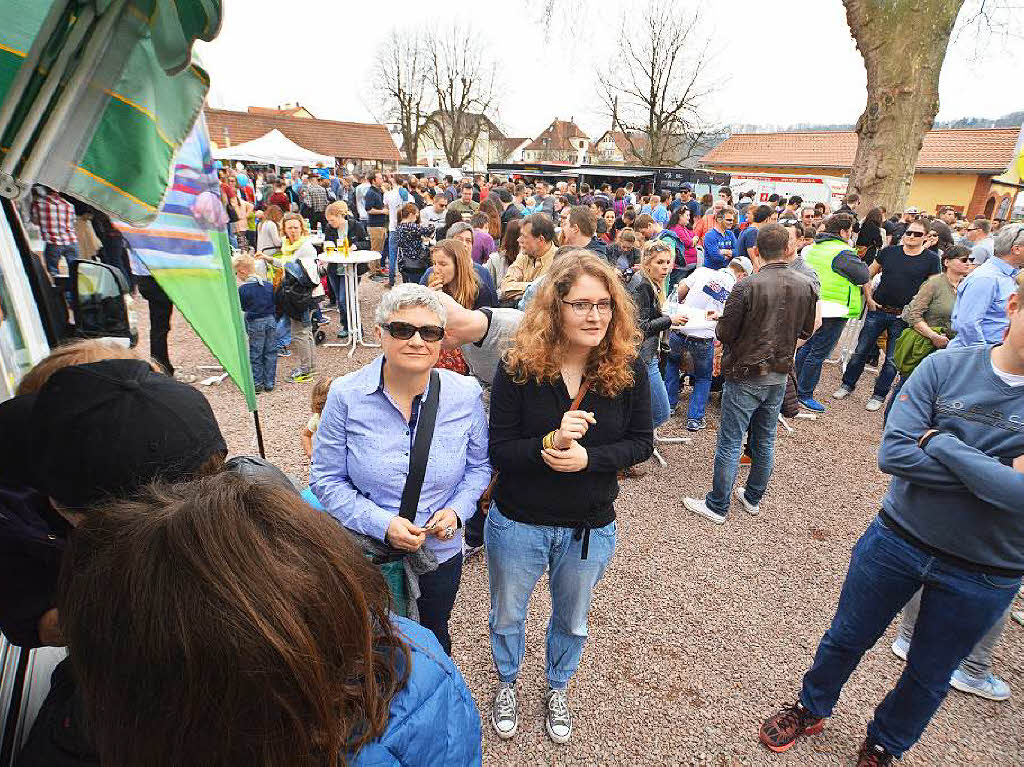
{"x": 403, "y": 331}
{"x": 963, "y": 259}
{"x": 913, "y": 234}
{"x": 583, "y": 308}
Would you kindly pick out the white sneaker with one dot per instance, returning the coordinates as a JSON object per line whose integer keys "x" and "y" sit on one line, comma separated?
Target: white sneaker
{"x": 842, "y": 393}
{"x": 697, "y": 506}
{"x": 990, "y": 688}
{"x": 751, "y": 509}
{"x": 874, "y": 404}
{"x": 558, "y": 721}
{"x": 900, "y": 648}
{"x": 505, "y": 711}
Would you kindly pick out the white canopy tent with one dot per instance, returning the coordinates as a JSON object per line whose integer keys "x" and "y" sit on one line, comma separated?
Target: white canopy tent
{"x": 275, "y": 148}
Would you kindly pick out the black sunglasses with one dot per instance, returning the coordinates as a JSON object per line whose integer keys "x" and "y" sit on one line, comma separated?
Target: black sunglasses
{"x": 913, "y": 234}
{"x": 403, "y": 331}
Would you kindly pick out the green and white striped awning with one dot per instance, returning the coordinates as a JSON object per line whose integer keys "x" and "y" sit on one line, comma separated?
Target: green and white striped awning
{"x": 96, "y": 96}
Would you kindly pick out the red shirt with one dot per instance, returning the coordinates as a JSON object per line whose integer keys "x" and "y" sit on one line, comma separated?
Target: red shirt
{"x": 280, "y": 199}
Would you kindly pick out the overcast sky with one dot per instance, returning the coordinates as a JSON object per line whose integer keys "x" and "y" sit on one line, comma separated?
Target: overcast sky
{"x": 781, "y": 63}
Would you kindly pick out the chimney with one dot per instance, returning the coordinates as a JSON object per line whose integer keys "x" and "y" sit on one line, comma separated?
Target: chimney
{"x": 227, "y": 137}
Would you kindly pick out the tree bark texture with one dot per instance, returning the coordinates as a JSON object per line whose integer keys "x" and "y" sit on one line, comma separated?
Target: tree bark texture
{"x": 903, "y": 43}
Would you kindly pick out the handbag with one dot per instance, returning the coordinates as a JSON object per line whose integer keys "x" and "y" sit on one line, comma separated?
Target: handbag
{"x": 910, "y": 349}
{"x": 484, "y": 502}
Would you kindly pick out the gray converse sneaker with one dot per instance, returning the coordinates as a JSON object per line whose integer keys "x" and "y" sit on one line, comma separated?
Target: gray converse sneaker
{"x": 559, "y": 719}
{"x": 505, "y": 711}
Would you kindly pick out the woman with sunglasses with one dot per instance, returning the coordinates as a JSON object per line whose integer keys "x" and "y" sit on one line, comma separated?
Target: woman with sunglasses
{"x": 930, "y": 313}
{"x": 361, "y": 455}
{"x": 570, "y": 408}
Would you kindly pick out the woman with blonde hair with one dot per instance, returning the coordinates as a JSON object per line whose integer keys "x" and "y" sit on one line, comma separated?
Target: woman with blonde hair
{"x": 453, "y": 272}
{"x": 297, "y": 246}
{"x": 570, "y": 408}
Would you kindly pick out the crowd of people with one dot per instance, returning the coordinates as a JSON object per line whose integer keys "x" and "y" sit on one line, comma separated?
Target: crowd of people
{"x": 533, "y": 338}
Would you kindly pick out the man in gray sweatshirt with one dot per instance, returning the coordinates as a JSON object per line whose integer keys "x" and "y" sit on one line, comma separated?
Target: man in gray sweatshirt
{"x": 951, "y": 523}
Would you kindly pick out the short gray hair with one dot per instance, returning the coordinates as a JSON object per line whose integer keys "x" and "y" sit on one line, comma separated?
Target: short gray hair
{"x": 1005, "y": 239}
{"x": 406, "y": 296}
{"x": 458, "y": 228}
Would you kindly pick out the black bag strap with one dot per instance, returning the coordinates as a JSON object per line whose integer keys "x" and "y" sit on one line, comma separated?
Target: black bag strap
{"x": 420, "y": 449}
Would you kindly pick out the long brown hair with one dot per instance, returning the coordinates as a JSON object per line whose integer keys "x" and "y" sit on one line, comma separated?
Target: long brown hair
{"x": 492, "y": 208}
{"x": 537, "y": 348}
{"x": 465, "y": 285}
{"x": 224, "y": 622}
{"x": 510, "y": 242}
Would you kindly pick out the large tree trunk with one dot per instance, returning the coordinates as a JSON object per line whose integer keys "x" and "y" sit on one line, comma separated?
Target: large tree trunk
{"x": 903, "y": 43}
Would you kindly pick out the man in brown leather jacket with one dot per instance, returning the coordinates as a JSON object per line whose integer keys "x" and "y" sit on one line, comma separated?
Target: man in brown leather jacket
{"x": 762, "y": 319}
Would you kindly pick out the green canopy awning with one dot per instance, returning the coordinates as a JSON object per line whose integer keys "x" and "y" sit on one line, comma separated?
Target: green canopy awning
{"x": 96, "y": 96}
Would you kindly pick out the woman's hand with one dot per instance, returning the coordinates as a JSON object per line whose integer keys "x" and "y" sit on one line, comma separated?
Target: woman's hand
{"x": 573, "y": 458}
{"x": 404, "y": 535}
{"x": 440, "y": 523}
{"x": 574, "y": 425}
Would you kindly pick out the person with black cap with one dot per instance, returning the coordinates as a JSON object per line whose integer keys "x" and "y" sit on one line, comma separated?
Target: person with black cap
{"x": 92, "y": 432}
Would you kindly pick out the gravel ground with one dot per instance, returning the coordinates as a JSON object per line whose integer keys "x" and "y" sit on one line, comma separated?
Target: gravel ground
{"x": 697, "y": 631}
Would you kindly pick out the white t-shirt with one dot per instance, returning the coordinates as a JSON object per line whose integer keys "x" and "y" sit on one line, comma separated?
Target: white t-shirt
{"x": 1010, "y": 379}
{"x": 394, "y": 202}
{"x": 708, "y": 289}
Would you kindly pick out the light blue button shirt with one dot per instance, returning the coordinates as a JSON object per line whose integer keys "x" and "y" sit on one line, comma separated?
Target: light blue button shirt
{"x": 979, "y": 315}
{"x": 361, "y": 455}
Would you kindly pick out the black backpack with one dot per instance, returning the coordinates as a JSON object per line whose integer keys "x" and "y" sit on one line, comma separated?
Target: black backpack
{"x": 294, "y": 296}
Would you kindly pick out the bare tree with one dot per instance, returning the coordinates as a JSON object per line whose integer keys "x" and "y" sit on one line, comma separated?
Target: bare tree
{"x": 401, "y": 87}
{"x": 655, "y": 87}
{"x": 462, "y": 78}
{"x": 903, "y": 44}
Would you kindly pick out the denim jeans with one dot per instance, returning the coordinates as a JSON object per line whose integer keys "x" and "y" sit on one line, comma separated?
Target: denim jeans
{"x": 812, "y": 355}
{"x": 284, "y": 332}
{"x": 875, "y": 323}
{"x": 702, "y": 352}
{"x": 438, "y": 590}
{"x": 957, "y": 607}
{"x": 900, "y": 380}
{"x": 392, "y": 257}
{"x": 977, "y": 665}
{"x": 337, "y": 280}
{"x": 262, "y": 333}
{"x": 746, "y": 408}
{"x": 672, "y": 361}
{"x": 53, "y": 253}
{"x": 517, "y": 556}
{"x": 232, "y": 237}
{"x": 660, "y": 409}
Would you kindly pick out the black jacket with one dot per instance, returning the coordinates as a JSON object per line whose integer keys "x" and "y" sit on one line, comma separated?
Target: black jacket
{"x": 651, "y": 321}
{"x": 32, "y": 539}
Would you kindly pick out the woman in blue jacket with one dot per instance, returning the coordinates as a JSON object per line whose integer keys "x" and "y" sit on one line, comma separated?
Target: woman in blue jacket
{"x": 243, "y": 627}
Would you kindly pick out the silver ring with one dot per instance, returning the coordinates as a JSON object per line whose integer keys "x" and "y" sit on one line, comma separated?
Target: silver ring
{"x": 449, "y": 532}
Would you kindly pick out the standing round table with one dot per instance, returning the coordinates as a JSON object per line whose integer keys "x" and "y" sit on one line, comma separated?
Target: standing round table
{"x": 350, "y": 266}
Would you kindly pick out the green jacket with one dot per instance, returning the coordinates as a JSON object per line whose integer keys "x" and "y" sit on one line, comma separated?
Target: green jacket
{"x": 840, "y": 271}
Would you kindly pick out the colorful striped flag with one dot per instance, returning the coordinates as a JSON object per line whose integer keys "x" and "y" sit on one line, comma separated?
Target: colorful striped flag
{"x": 186, "y": 250}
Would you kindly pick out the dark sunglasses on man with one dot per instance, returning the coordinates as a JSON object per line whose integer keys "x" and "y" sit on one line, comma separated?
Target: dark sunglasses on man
{"x": 403, "y": 331}
{"x": 913, "y": 234}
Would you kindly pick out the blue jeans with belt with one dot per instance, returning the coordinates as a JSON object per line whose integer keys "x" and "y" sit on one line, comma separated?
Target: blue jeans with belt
{"x": 517, "y": 556}
{"x": 885, "y": 571}
{"x": 875, "y": 323}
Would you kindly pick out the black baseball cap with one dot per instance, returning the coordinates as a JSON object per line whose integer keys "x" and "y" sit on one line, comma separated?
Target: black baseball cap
{"x": 104, "y": 429}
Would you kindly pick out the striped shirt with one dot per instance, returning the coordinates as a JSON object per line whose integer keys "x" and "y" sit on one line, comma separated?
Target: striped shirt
{"x": 55, "y": 218}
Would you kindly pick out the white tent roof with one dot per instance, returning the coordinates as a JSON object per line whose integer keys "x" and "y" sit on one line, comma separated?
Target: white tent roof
{"x": 275, "y": 148}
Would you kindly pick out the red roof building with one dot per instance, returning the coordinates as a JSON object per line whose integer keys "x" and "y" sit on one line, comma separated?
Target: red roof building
{"x": 365, "y": 142}
{"x": 561, "y": 142}
{"x": 962, "y": 169}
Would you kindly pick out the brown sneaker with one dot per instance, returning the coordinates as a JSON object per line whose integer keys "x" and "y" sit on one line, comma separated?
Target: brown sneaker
{"x": 873, "y": 755}
{"x": 780, "y": 732}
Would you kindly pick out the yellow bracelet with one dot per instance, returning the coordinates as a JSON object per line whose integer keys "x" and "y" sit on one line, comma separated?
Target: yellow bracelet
{"x": 549, "y": 441}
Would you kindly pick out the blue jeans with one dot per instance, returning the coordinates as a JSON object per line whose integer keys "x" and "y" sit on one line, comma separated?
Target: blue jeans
{"x": 875, "y": 323}
{"x": 812, "y": 355}
{"x": 392, "y": 257}
{"x": 517, "y": 556}
{"x": 284, "y": 332}
{"x": 752, "y": 408}
{"x": 702, "y": 352}
{"x": 884, "y": 573}
{"x": 659, "y": 397}
{"x": 52, "y": 253}
{"x": 900, "y": 380}
{"x": 337, "y": 281}
{"x": 262, "y": 333}
{"x": 232, "y": 237}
